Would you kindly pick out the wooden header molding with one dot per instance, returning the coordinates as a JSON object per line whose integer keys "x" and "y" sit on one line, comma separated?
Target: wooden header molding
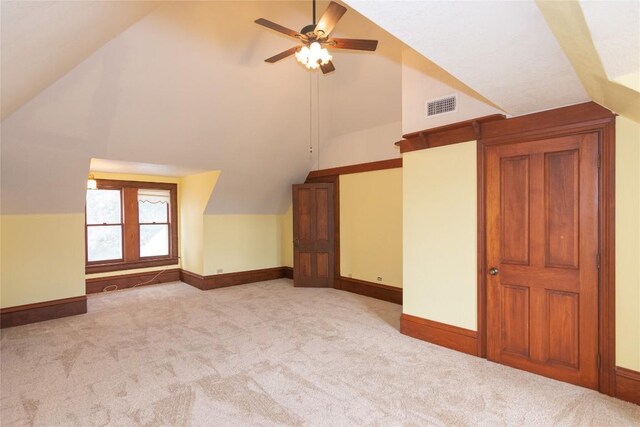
{"x": 446, "y": 135}
{"x": 497, "y": 129}
{"x": 362, "y": 167}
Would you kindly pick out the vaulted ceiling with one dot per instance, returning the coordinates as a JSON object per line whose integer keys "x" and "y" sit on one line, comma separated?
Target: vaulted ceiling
{"x": 42, "y": 41}
{"x": 184, "y": 84}
{"x": 511, "y": 52}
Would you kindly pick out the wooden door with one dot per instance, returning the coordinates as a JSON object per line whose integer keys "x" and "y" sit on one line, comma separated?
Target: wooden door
{"x": 542, "y": 242}
{"x": 313, "y": 235}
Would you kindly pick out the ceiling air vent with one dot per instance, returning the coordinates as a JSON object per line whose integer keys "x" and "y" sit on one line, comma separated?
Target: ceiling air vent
{"x": 448, "y": 104}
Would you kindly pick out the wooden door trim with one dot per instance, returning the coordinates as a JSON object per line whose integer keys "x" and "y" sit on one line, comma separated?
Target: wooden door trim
{"x": 607, "y": 233}
{"x": 335, "y": 180}
{"x": 331, "y": 228}
{"x": 482, "y": 252}
{"x": 542, "y": 126}
{"x": 333, "y": 176}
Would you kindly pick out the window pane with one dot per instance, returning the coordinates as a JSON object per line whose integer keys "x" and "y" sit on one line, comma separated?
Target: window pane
{"x": 103, "y": 207}
{"x": 153, "y": 206}
{"x": 104, "y": 243}
{"x": 154, "y": 240}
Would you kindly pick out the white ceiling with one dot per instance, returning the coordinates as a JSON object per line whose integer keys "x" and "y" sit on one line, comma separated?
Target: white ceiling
{"x": 40, "y": 41}
{"x": 615, "y": 30}
{"x": 504, "y": 50}
{"x": 187, "y": 85}
{"x": 184, "y": 83}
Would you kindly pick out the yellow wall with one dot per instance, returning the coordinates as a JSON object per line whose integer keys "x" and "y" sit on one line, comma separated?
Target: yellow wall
{"x": 627, "y": 243}
{"x": 235, "y": 243}
{"x": 371, "y": 226}
{"x": 286, "y": 248}
{"x": 42, "y": 258}
{"x": 195, "y": 191}
{"x": 439, "y": 234}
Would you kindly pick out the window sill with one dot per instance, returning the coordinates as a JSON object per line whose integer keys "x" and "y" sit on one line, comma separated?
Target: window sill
{"x": 117, "y": 266}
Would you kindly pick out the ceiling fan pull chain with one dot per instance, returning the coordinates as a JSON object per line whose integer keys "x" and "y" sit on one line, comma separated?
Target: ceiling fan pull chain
{"x": 318, "y": 117}
{"x": 310, "y": 117}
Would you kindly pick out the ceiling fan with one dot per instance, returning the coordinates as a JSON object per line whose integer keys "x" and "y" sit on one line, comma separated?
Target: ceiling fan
{"x": 315, "y": 38}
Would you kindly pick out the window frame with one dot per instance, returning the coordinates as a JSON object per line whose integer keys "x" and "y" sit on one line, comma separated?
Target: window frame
{"x": 119, "y": 224}
{"x": 131, "y": 228}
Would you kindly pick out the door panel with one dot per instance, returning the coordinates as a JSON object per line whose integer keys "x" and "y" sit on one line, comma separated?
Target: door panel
{"x": 563, "y": 328}
{"x": 322, "y": 215}
{"x": 515, "y": 319}
{"x": 562, "y": 181}
{"x": 515, "y": 210}
{"x": 313, "y": 231}
{"x": 542, "y": 225}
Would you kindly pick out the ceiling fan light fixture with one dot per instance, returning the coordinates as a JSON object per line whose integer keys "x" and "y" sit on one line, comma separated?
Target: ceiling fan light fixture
{"x": 313, "y": 56}
{"x": 315, "y": 37}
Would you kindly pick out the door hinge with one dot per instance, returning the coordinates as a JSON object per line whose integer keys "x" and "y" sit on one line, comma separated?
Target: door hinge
{"x": 599, "y": 161}
{"x": 598, "y": 261}
{"x": 598, "y": 360}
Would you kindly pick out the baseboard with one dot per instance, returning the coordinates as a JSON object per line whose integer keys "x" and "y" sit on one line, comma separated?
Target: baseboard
{"x": 41, "y": 311}
{"x": 124, "y": 281}
{"x": 215, "y": 281}
{"x": 288, "y": 272}
{"x": 628, "y": 385}
{"x": 370, "y": 289}
{"x": 452, "y": 337}
{"x": 193, "y": 279}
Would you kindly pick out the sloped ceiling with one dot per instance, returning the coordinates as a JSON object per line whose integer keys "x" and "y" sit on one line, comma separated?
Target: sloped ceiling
{"x": 608, "y": 85}
{"x": 526, "y": 56}
{"x": 184, "y": 84}
{"x": 504, "y": 50}
{"x": 187, "y": 85}
{"x": 42, "y": 40}
{"x": 615, "y": 30}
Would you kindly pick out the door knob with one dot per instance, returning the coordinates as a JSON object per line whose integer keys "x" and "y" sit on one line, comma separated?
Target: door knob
{"x": 493, "y": 271}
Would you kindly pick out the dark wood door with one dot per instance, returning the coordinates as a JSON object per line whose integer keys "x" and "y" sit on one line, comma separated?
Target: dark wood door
{"x": 542, "y": 228}
{"x": 313, "y": 235}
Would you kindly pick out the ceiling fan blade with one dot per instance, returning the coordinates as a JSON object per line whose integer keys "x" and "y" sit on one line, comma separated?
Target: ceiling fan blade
{"x": 330, "y": 18}
{"x": 277, "y": 27}
{"x": 282, "y": 55}
{"x": 327, "y": 68}
{"x": 355, "y": 44}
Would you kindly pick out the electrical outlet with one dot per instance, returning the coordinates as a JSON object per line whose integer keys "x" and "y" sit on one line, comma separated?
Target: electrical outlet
{"x": 379, "y": 279}
{"x": 218, "y": 271}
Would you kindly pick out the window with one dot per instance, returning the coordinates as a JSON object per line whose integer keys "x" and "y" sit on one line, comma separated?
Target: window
{"x": 131, "y": 225}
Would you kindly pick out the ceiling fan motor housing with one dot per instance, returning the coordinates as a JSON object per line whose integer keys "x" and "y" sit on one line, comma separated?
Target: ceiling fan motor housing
{"x": 308, "y": 30}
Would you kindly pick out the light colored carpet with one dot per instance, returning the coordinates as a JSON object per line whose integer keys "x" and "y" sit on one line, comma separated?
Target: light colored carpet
{"x": 266, "y": 354}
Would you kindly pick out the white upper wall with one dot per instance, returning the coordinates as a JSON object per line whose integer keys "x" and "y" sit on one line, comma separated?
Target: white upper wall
{"x": 419, "y": 86}
{"x": 187, "y": 85}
